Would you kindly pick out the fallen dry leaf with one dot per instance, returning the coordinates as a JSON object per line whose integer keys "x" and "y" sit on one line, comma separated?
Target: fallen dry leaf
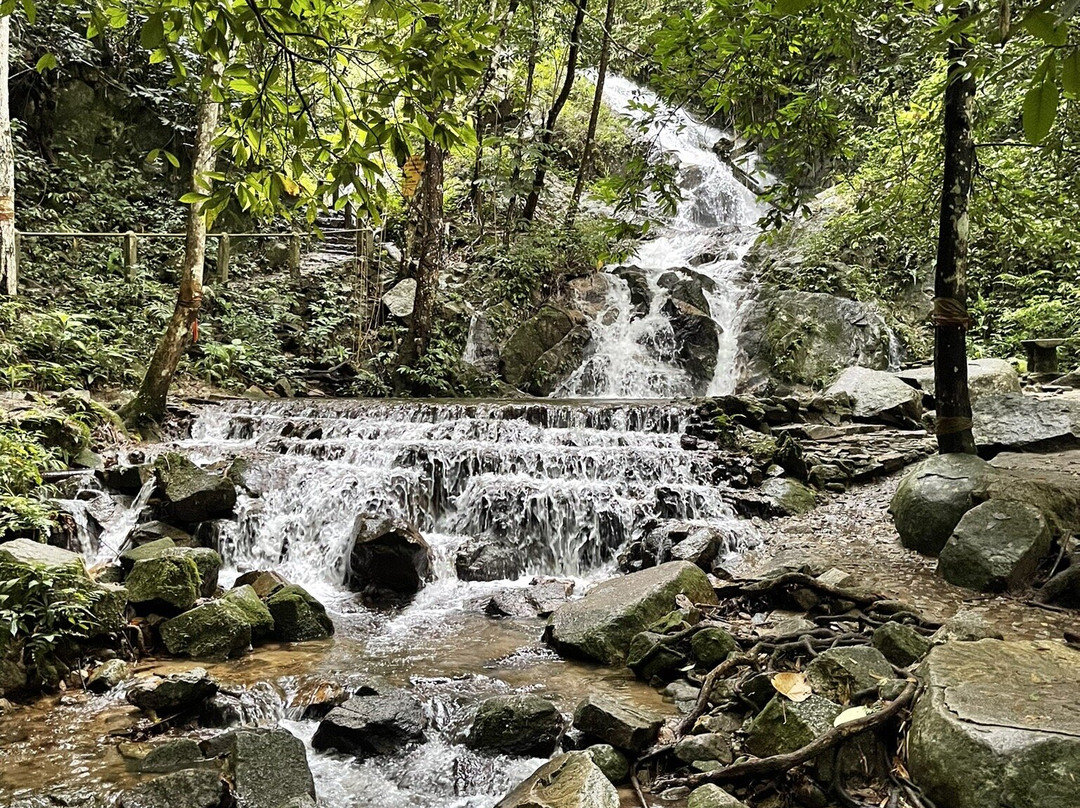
{"x": 792, "y": 685}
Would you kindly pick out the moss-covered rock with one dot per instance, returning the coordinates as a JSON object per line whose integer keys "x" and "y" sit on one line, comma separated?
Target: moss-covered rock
{"x": 108, "y": 675}
{"x": 788, "y": 497}
{"x": 571, "y": 780}
{"x": 996, "y": 546}
{"x": 712, "y": 645}
{"x": 650, "y": 658}
{"x": 839, "y": 673}
{"x": 192, "y": 494}
{"x": 784, "y": 725}
{"x": 214, "y": 630}
{"x": 902, "y": 645}
{"x": 611, "y": 761}
{"x": 712, "y": 796}
{"x": 171, "y": 581}
{"x": 58, "y": 431}
{"x": 152, "y": 549}
{"x": 254, "y": 610}
{"x": 541, "y": 333}
{"x": 298, "y": 617}
{"x": 516, "y": 725}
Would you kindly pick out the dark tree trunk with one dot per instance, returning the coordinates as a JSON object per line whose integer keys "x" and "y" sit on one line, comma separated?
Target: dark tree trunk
{"x": 553, "y": 115}
{"x": 518, "y": 148}
{"x": 148, "y": 406}
{"x": 953, "y": 425}
{"x": 428, "y": 250}
{"x": 594, "y": 116}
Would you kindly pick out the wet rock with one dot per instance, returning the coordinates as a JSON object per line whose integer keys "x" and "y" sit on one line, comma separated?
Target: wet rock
{"x": 516, "y": 725}
{"x": 651, "y": 658}
{"x": 171, "y": 756}
{"x": 214, "y": 630}
{"x": 266, "y": 767}
{"x": 108, "y": 675}
{"x": 611, "y": 761}
{"x": 191, "y": 494}
{"x": 965, "y": 626}
{"x": 372, "y": 725}
{"x": 486, "y": 559}
{"x": 640, "y": 291}
{"x": 1063, "y": 589}
{"x": 152, "y": 531}
{"x": 601, "y": 625}
{"x": 389, "y": 561}
{"x": 712, "y": 645}
{"x": 932, "y": 498}
{"x": 712, "y": 796}
{"x": 698, "y": 338}
{"x": 540, "y": 334}
{"x": 264, "y": 582}
{"x": 985, "y": 377}
{"x": 707, "y": 746}
{"x": 298, "y": 617}
{"x": 190, "y": 788}
{"x": 221, "y": 711}
{"x": 997, "y": 725}
{"x": 839, "y": 673}
{"x": 901, "y": 645}
{"x": 1016, "y": 421}
{"x": 788, "y": 497}
{"x": 169, "y": 695}
{"x": 571, "y": 780}
{"x": 254, "y": 611}
{"x": 622, "y": 726}
{"x": 169, "y": 582}
{"x": 127, "y": 480}
{"x": 539, "y": 599}
{"x": 784, "y": 726}
{"x": 996, "y": 546}
{"x": 877, "y": 394}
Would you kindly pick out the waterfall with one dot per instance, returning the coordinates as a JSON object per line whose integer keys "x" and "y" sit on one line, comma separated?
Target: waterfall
{"x": 637, "y": 345}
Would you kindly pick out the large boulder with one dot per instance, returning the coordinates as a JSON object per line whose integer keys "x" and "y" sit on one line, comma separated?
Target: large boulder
{"x": 389, "y": 561}
{"x": 190, "y": 788}
{"x": 168, "y": 695}
{"x": 621, "y": 725}
{"x": 372, "y": 725}
{"x": 1050, "y": 482}
{"x": 298, "y": 617}
{"x": 839, "y": 673}
{"x": 482, "y": 558}
{"x": 601, "y": 625}
{"x": 41, "y": 557}
{"x": 215, "y": 630}
{"x": 1016, "y": 421}
{"x": 246, "y": 602}
{"x": 524, "y": 351}
{"x": 996, "y": 546}
{"x": 267, "y": 767}
{"x": 877, "y": 394}
{"x": 191, "y": 494}
{"x": 571, "y": 780}
{"x": 640, "y": 292}
{"x": 997, "y": 725}
{"x": 932, "y": 498}
{"x": 986, "y": 377}
{"x": 164, "y": 582}
{"x": 208, "y": 562}
{"x": 698, "y": 339}
{"x": 516, "y": 725}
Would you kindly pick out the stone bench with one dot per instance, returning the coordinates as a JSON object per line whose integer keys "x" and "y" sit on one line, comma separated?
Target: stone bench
{"x": 1042, "y": 354}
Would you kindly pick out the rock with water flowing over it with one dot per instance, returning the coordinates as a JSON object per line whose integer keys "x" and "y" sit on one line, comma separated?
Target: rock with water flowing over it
{"x": 601, "y": 625}
{"x": 214, "y": 630}
{"x": 483, "y": 558}
{"x": 986, "y": 377}
{"x": 389, "y": 561}
{"x": 298, "y": 617}
{"x": 516, "y": 725}
{"x": 877, "y": 394}
{"x": 623, "y": 726}
{"x": 108, "y": 675}
{"x": 172, "y": 694}
{"x": 784, "y": 726}
{"x": 267, "y": 767}
{"x": 934, "y": 496}
{"x": 996, "y": 546}
{"x": 839, "y": 673}
{"x": 640, "y": 292}
{"x": 190, "y": 494}
{"x": 372, "y": 725}
{"x": 1030, "y": 423}
{"x": 190, "y": 788}
{"x": 997, "y": 724}
{"x": 697, "y": 336}
{"x": 571, "y": 780}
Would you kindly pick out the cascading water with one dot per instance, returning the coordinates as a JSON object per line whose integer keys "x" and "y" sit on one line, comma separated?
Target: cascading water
{"x": 637, "y": 343}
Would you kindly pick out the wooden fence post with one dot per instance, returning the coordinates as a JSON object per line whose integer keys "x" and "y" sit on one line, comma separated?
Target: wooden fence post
{"x": 294, "y": 257}
{"x": 131, "y": 254}
{"x": 224, "y": 254}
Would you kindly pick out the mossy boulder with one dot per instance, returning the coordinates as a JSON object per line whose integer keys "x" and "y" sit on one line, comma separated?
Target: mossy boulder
{"x": 712, "y": 796}
{"x": 171, "y": 582}
{"x": 784, "y": 725}
{"x": 516, "y": 725}
{"x": 571, "y": 780}
{"x": 151, "y": 549}
{"x": 650, "y": 658}
{"x": 523, "y": 351}
{"x": 788, "y": 497}
{"x": 602, "y": 625}
{"x": 902, "y": 645}
{"x": 934, "y": 496}
{"x": 58, "y": 431}
{"x": 996, "y": 546}
{"x": 613, "y": 722}
{"x": 191, "y": 494}
{"x": 108, "y": 675}
{"x": 298, "y": 617}
{"x": 208, "y": 562}
{"x": 214, "y": 630}
{"x": 839, "y": 673}
{"x": 712, "y": 645}
{"x": 611, "y": 761}
{"x": 41, "y": 557}
{"x": 255, "y": 612}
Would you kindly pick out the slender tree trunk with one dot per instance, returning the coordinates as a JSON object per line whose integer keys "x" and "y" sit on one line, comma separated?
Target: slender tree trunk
{"x": 9, "y": 282}
{"x": 148, "y": 406}
{"x": 516, "y": 152}
{"x": 953, "y": 425}
{"x": 429, "y": 249}
{"x": 553, "y": 114}
{"x": 594, "y": 116}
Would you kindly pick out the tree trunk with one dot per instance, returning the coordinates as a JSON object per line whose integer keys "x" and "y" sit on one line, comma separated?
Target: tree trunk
{"x": 553, "y": 114}
{"x": 9, "y": 282}
{"x": 428, "y": 248}
{"x": 951, "y": 321}
{"x": 518, "y": 148}
{"x": 148, "y": 406}
{"x": 594, "y": 115}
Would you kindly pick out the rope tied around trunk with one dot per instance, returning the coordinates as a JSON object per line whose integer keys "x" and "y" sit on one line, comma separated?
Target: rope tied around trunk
{"x": 950, "y": 425}
{"x": 948, "y": 311}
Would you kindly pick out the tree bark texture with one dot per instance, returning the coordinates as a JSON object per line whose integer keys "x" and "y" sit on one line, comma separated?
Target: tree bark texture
{"x": 548, "y": 133}
{"x": 9, "y": 282}
{"x": 951, "y": 321}
{"x": 149, "y": 404}
{"x": 594, "y": 116}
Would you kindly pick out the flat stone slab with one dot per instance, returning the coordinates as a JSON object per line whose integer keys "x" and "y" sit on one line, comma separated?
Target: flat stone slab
{"x": 1014, "y": 420}
{"x": 998, "y": 724}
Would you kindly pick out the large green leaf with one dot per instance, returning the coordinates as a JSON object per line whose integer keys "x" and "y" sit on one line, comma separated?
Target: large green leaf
{"x": 1070, "y": 73}
{"x": 782, "y": 8}
{"x": 1040, "y": 109}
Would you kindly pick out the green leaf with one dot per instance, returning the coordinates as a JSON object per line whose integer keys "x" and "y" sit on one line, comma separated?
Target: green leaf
{"x": 192, "y": 197}
{"x": 46, "y": 62}
{"x": 1046, "y": 27}
{"x": 1040, "y": 109}
{"x": 783, "y": 8}
{"x": 1070, "y": 73}
{"x": 153, "y": 32}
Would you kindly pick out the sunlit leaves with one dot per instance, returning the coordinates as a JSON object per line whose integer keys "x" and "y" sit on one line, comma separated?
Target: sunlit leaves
{"x": 1041, "y": 102}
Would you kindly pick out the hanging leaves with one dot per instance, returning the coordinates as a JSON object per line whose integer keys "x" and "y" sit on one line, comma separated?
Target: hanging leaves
{"x": 1041, "y": 102}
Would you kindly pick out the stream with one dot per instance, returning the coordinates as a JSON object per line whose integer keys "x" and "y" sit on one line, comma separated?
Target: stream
{"x": 567, "y": 481}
